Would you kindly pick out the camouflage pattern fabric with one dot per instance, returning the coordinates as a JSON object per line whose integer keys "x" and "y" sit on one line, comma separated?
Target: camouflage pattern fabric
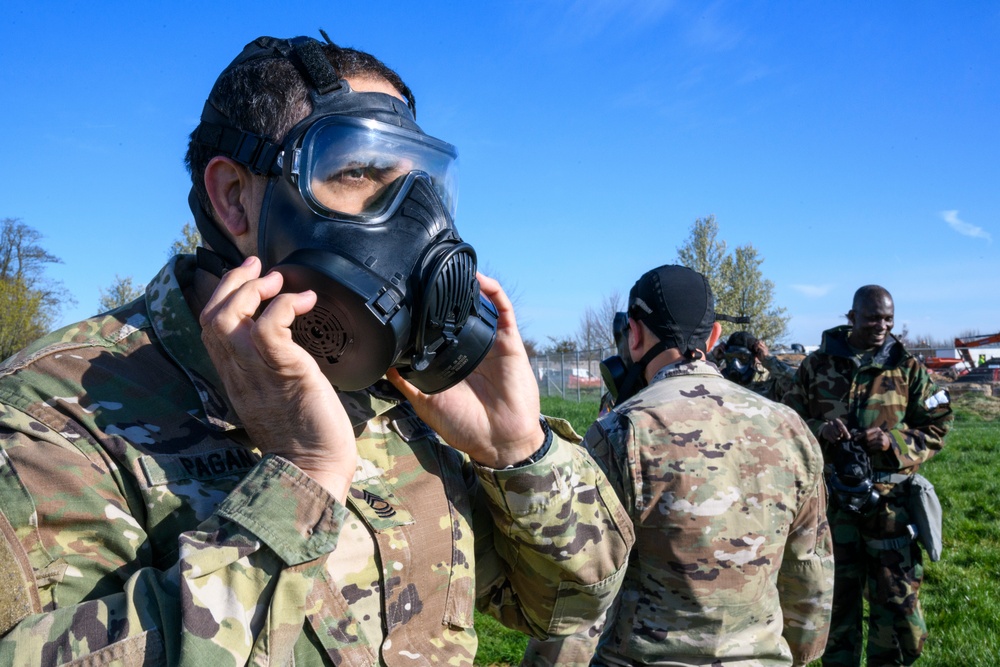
{"x": 773, "y": 378}
{"x": 573, "y": 651}
{"x": 154, "y": 533}
{"x": 732, "y": 563}
{"x": 892, "y": 391}
{"x": 891, "y": 577}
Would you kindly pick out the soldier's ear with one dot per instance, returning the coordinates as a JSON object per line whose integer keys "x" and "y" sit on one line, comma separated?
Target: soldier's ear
{"x": 635, "y": 337}
{"x": 850, "y": 317}
{"x": 227, "y": 183}
{"x": 713, "y": 337}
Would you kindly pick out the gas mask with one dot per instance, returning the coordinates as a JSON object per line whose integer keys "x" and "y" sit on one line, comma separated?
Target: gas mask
{"x": 739, "y": 366}
{"x": 623, "y": 377}
{"x": 850, "y": 476}
{"x": 359, "y": 207}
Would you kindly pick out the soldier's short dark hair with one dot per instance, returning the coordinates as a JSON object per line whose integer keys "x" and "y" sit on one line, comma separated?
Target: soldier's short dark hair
{"x": 741, "y": 339}
{"x": 267, "y": 97}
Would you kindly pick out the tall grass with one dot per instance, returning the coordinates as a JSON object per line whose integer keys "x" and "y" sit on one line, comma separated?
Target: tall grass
{"x": 961, "y": 592}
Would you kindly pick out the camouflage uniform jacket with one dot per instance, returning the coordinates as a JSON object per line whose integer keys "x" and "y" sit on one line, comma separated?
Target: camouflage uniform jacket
{"x": 139, "y": 526}
{"x": 893, "y": 391}
{"x": 732, "y": 563}
{"x": 772, "y": 378}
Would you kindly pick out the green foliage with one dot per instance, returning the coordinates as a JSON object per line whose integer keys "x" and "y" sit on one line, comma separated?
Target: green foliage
{"x": 581, "y": 415}
{"x": 122, "y": 291}
{"x": 736, "y": 280}
{"x": 961, "y": 592}
{"x": 29, "y": 302}
{"x": 498, "y": 645}
{"x": 703, "y": 252}
{"x": 189, "y": 241}
{"x": 561, "y": 345}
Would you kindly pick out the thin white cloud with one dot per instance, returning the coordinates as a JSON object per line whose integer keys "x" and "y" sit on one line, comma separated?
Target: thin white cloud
{"x": 813, "y": 291}
{"x": 965, "y": 228}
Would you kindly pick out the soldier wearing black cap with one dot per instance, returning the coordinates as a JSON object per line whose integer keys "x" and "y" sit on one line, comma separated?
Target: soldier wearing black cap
{"x": 732, "y": 560}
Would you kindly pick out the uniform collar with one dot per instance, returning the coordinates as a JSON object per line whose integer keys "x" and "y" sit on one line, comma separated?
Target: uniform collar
{"x": 686, "y": 367}
{"x": 889, "y": 355}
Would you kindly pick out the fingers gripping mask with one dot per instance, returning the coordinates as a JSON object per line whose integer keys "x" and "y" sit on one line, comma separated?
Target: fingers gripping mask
{"x": 359, "y": 208}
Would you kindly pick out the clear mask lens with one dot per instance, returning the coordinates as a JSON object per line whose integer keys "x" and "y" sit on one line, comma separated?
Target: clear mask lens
{"x": 738, "y": 357}
{"x": 352, "y": 167}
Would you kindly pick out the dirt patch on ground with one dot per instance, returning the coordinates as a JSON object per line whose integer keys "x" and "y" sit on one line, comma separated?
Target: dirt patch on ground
{"x": 976, "y": 404}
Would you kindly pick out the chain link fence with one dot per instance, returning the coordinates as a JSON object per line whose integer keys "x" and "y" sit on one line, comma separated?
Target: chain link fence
{"x": 575, "y": 376}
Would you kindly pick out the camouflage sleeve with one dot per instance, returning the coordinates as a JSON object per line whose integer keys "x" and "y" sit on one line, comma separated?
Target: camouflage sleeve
{"x": 798, "y": 396}
{"x": 781, "y": 373}
{"x": 563, "y": 538}
{"x": 239, "y": 583}
{"x": 607, "y": 440}
{"x": 927, "y": 420}
{"x": 805, "y": 580}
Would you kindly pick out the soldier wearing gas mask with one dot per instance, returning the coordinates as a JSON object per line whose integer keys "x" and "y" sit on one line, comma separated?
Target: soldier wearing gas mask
{"x": 878, "y": 417}
{"x": 745, "y": 360}
{"x": 217, "y": 473}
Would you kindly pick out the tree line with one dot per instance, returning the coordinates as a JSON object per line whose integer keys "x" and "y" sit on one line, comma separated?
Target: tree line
{"x": 30, "y": 301}
{"x": 736, "y": 279}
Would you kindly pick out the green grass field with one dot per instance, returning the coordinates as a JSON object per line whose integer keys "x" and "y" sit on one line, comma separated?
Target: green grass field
{"x": 961, "y": 592}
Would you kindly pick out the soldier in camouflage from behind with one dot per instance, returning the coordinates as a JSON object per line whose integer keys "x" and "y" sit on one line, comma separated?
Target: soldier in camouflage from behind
{"x": 732, "y": 562}
{"x": 180, "y": 483}
{"x": 862, "y": 387}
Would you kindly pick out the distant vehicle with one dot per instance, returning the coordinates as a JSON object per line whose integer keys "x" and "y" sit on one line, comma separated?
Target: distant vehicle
{"x": 573, "y": 378}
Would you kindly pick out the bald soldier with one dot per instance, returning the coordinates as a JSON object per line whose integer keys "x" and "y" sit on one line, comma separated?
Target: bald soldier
{"x": 878, "y": 416}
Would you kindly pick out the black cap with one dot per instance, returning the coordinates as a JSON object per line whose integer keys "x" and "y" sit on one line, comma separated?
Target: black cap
{"x": 741, "y": 339}
{"x": 676, "y": 304}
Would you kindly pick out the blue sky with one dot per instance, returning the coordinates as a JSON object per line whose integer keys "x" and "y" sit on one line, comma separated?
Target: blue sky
{"x": 850, "y": 143}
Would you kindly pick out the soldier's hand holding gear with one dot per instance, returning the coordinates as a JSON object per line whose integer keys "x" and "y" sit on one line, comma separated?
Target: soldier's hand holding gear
{"x": 875, "y": 439}
{"x": 834, "y": 431}
{"x": 759, "y": 349}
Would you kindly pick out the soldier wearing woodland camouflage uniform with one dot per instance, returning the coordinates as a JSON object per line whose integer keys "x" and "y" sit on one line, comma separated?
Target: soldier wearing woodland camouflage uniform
{"x": 745, "y": 360}
{"x": 732, "y": 562}
{"x": 862, "y": 386}
{"x": 181, "y": 484}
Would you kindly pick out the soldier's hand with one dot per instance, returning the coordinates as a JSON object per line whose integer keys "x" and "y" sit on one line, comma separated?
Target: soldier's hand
{"x": 285, "y": 402}
{"x": 492, "y": 415}
{"x": 834, "y": 431}
{"x": 760, "y": 350}
{"x": 876, "y": 440}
